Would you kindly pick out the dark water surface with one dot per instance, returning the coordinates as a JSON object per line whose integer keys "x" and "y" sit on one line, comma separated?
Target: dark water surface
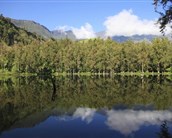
{"x": 86, "y": 107}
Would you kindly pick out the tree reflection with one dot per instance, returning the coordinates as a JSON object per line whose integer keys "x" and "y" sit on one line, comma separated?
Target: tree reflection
{"x": 164, "y": 132}
{"x": 23, "y": 96}
{"x": 54, "y": 94}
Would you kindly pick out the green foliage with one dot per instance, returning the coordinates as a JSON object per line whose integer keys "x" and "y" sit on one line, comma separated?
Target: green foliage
{"x": 10, "y": 34}
{"x": 164, "y": 8}
{"x": 169, "y": 69}
{"x": 96, "y": 56}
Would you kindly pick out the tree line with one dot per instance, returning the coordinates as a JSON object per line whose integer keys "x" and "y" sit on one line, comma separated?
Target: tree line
{"x": 93, "y": 55}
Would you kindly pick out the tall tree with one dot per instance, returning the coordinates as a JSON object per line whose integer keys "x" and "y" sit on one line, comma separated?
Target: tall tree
{"x": 164, "y": 8}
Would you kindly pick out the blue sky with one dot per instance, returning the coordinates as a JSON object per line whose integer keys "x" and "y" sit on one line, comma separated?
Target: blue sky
{"x": 76, "y": 13}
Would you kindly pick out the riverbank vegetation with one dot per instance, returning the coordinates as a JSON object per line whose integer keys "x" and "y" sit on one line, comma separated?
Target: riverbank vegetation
{"x": 25, "y": 53}
{"x": 94, "y": 56}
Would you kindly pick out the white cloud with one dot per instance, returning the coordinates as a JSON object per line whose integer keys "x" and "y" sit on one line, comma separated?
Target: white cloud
{"x": 128, "y": 121}
{"x": 84, "y": 32}
{"x": 63, "y": 28}
{"x": 86, "y": 114}
{"x": 124, "y": 23}
{"x": 127, "y": 24}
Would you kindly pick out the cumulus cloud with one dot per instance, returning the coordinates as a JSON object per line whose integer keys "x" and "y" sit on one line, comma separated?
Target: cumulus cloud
{"x": 124, "y": 23}
{"x": 63, "y": 28}
{"x": 86, "y": 114}
{"x": 84, "y": 32}
{"x": 127, "y": 24}
{"x": 128, "y": 121}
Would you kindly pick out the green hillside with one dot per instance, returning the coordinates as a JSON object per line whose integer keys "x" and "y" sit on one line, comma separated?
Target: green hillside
{"x": 10, "y": 34}
{"x": 32, "y": 27}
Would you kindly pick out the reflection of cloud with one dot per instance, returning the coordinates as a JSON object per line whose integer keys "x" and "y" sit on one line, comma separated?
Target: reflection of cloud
{"x": 85, "y": 114}
{"x": 128, "y": 121}
{"x": 64, "y": 118}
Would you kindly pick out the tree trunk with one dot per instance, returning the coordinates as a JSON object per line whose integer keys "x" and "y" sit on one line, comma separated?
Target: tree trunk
{"x": 142, "y": 68}
{"x": 159, "y": 67}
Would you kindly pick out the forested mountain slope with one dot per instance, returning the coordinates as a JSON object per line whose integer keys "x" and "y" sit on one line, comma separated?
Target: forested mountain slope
{"x": 10, "y": 34}
{"x": 34, "y": 27}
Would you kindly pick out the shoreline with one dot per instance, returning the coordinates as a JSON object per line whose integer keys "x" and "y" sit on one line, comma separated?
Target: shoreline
{"x": 88, "y": 74}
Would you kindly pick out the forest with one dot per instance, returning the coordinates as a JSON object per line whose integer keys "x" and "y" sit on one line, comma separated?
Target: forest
{"x": 24, "y": 52}
{"x": 94, "y": 56}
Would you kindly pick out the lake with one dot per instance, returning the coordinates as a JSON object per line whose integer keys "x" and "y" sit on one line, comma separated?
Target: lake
{"x": 86, "y": 107}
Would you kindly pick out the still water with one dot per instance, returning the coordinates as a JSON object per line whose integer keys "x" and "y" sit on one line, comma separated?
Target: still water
{"x": 86, "y": 107}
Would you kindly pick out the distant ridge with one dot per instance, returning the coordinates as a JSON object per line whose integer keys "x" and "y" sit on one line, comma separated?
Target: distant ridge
{"x": 135, "y": 38}
{"x": 60, "y": 34}
{"x": 34, "y": 27}
{"x": 11, "y": 34}
{"x": 41, "y": 30}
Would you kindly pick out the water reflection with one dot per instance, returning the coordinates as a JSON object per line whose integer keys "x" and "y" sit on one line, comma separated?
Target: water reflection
{"x": 87, "y": 122}
{"x": 87, "y": 103}
{"x": 128, "y": 121}
{"x": 164, "y": 131}
{"x": 86, "y": 114}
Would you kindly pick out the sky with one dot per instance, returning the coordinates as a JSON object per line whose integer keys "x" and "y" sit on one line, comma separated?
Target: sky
{"x": 85, "y": 17}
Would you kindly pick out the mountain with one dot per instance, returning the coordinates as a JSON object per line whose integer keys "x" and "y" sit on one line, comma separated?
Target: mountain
{"x": 122, "y": 38}
{"x": 38, "y": 117}
{"x": 60, "y": 34}
{"x": 11, "y": 34}
{"x": 101, "y": 34}
{"x": 32, "y": 27}
{"x": 135, "y": 38}
{"x": 41, "y": 30}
